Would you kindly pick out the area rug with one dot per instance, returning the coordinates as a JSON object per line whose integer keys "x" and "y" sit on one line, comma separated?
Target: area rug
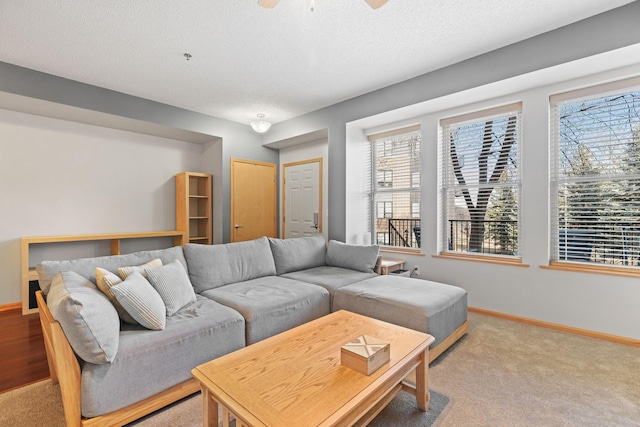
{"x": 40, "y": 404}
{"x": 402, "y": 411}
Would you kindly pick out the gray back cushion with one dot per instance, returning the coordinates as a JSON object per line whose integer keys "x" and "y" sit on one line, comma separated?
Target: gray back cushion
{"x": 88, "y": 319}
{"x": 298, "y": 253}
{"x": 355, "y": 257}
{"x": 86, "y": 267}
{"x": 217, "y": 265}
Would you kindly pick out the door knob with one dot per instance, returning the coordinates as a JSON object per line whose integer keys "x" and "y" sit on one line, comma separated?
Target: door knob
{"x": 238, "y": 226}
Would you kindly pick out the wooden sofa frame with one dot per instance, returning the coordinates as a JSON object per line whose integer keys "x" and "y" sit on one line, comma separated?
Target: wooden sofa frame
{"x": 65, "y": 370}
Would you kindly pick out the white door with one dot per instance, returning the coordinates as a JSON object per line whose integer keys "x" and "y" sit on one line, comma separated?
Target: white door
{"x": 302, "y": 198}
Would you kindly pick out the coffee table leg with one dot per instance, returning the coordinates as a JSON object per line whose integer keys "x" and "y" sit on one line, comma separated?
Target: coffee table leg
{"x": 422, "y": 382}
{"x": 209, "y": 409}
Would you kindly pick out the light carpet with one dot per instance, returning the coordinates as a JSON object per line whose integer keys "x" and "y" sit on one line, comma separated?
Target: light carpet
{"x": 40, "y": 404}
{"x": 502, "y": 373}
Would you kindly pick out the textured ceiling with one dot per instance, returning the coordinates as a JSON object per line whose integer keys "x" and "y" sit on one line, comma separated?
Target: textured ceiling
{"x": 283, "y": 62}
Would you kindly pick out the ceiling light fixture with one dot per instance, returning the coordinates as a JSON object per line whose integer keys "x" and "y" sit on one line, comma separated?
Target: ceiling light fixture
{"x": 260, "y": 125}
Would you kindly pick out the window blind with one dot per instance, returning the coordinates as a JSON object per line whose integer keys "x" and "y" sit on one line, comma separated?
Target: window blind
{"x": 480, "y": 182}
{"x": 395, "y": 183}
{"x": 595, "y": 175}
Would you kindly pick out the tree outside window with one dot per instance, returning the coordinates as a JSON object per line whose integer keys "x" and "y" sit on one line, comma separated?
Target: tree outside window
{"x": 481, "y": 182}
{"x": 595, "y": 180}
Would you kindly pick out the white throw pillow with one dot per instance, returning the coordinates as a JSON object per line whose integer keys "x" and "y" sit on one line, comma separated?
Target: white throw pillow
{"x": 105, "y": 281}
{"x": 124, "y": 272}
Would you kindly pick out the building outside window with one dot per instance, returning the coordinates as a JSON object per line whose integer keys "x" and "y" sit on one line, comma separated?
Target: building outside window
{"x": 480, "y": 182}
{"x": 395, "y": 178}
{"x": 385, "y": 210}
{"x": 595, "y": 175}
{"x": 385, "y": 178}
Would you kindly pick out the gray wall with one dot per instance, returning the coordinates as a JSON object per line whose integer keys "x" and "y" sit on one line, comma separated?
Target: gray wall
{"x": 602, "y": 33}
{"x": 602, "y": 303}
{"x": 64, "y": 177}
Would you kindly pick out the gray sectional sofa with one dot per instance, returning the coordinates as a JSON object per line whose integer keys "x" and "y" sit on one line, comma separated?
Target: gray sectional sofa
{"x": 204, "y": 302}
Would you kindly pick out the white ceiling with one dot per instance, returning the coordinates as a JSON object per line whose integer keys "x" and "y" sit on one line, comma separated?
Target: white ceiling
{"x": 283, "y": 62}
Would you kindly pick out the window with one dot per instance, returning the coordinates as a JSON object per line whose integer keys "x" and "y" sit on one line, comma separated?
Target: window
{"x": 382, "y": 238}
{"x": 395, "y": 178}
{"x": 385, "y": 178}
{"x": 385, "y": 210}
{"x": 595, "y": 175}
{"x": 480, "y": 182}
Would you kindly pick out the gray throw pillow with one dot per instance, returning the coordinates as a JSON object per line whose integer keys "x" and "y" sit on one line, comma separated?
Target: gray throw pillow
{"x": 88, "y": 319}
{"x": 173, "y": 285}
{"x": 355, "y": 257}
{"x": 142, "y": 302}
{"x": 298, "y": 253}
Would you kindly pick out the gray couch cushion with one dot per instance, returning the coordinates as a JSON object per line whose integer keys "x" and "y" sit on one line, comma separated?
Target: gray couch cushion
{"x": 218, "y": 265}
{"x": 172, "y": 283}
{"x": 149, "y": 362}
{"x": 87, "y": 266}
{"x": 425, "y": 306}
{"x": 298, "y": 253}
{"x": 330, "y": 278}
{"x": 87, "y": 317}
{"x": 355, "y": 257}
{"x": 272, "y": 304}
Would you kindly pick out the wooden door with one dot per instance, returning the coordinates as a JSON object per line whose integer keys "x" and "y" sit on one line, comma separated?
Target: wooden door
{"x": 302, "y": 193}
{"x": 253, "y": 200}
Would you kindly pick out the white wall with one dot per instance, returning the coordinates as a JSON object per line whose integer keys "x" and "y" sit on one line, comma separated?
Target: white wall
{"x": 595, "y": 302}
{"x": 59, "y": 177}
{"x": 307, "y": 151}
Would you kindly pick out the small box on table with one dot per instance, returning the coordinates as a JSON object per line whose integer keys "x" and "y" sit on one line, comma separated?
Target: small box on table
{"x": 365, "y": 354}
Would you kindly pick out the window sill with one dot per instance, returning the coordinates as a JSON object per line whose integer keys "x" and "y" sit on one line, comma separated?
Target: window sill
{"x": 392, "y": 250}
{"x": 593, "y": 269}
{"x": 515, "y": 262}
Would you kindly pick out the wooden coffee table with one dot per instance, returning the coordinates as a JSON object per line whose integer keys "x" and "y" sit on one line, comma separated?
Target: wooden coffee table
{"x": 296, "y": 379}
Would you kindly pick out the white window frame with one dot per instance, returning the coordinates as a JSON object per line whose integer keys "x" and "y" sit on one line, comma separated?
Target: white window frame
{"x": 588, "y": 250}
{"x": 450, "y": 185}
{"x": 412, "y": 188}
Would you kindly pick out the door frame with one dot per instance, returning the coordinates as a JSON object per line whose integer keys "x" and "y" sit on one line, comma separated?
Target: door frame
{"x": 233, "y": 161}
{"x": 284, "y": 192}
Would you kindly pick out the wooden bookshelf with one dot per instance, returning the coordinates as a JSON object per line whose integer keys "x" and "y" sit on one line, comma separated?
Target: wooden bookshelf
{"x": 193, "y": 207}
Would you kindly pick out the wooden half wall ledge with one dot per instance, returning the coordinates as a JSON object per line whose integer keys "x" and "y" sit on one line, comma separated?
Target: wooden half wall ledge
{"x": 557, "y": 327}
{"x": 28, "y": 273}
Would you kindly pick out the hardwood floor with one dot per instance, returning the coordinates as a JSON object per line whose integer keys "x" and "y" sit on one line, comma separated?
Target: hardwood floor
{"x": 23, "y": 359}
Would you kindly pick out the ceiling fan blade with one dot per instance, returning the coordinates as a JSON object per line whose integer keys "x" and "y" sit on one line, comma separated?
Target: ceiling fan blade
{"x": 376, "y": 3}
{"x": 268, "y": 3}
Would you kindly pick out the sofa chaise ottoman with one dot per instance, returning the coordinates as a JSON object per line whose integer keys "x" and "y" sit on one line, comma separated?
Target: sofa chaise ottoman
{"x": 434, "y": 308}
